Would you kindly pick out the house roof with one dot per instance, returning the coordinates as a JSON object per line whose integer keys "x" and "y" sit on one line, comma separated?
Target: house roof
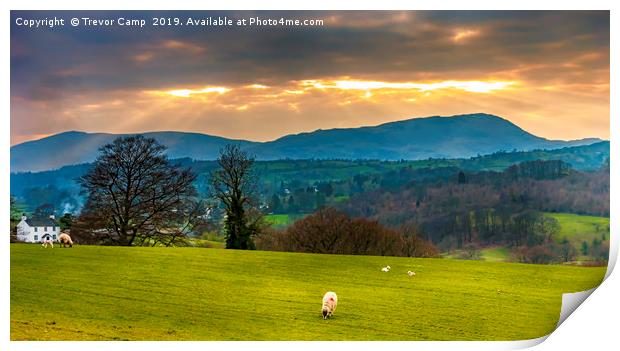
{"x": 41, "y": 222}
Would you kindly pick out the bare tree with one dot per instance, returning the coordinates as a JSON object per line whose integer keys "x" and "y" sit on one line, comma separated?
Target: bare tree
{"x": 326, "y": 231}
{"x": 235, "y": 186}
{"x": 137, "y": 195}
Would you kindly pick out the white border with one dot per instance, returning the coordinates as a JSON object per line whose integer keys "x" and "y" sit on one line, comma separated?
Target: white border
{"x": 594, "y": 323}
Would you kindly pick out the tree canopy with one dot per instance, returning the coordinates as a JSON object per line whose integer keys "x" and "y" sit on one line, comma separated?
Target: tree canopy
{"x": 136, "y": 196}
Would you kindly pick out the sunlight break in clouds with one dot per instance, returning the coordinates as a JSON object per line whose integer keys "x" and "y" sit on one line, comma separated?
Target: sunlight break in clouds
{"x": 257, "y": 86}
{"x": 475, "y": 86}
{"x": 469, "y": 86}
{"x": 189, "y": 92}
{"x": 462, "y": 35}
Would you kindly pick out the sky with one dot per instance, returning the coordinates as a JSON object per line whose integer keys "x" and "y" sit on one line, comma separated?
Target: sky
{"x": 546, "y": 71}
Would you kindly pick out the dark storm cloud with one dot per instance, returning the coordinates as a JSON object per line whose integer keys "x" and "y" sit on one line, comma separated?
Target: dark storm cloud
{"x": 101, "y": 58}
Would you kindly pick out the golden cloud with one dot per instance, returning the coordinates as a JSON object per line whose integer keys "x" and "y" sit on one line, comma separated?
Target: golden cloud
{"x": 476, "y": 86}
{"x": 463, "y": 35}
{"x": 189, "y": 92}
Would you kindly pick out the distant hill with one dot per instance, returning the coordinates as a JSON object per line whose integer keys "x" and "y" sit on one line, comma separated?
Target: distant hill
{"x": 73, "y": 147}
{"x": 583, "y": 158}
{"x": 459, "y": 136}
{"x": 413, "y": 139}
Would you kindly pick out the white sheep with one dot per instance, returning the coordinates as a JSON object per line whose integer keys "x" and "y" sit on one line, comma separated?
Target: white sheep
{"x": 330, "y": 301}
{"x": 47, "y": 242}
{"x": 386, "y": 269}
{"x": 65, "y": 239}
{"x": 410, "y": 273}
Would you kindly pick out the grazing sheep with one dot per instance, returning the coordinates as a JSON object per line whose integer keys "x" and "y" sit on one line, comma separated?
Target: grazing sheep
{"x": 65, "y": 239}
{"x": 386, "y": 269}
{"x": 330, "y": 300}
{"x": 410, "y": 273}
{"x": 47, "y": 242}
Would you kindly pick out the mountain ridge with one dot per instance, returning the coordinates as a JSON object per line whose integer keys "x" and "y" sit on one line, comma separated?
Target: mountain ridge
{"x": 414, "y": 138}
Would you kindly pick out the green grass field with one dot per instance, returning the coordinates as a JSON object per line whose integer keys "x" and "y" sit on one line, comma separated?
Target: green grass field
{"x": 495, "y": 254}
{"x": 121, "y": 293}
{"x": 208, "y": 243}
{"x": 282, "y": 220}
{"x": 578, "y": 228}
{"x": 490, "y": 254}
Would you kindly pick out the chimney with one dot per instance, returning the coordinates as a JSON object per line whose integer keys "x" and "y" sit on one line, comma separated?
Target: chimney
{"x": 52, "y": 216}
{"x": 24, "y": 217}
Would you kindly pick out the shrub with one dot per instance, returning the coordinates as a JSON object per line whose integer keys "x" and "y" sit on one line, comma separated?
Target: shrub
{"x": 272, "y": 240}
{"x": 540, "y": 254}
{"x": 333, "y": 232}
{"x": 470, "y": 252}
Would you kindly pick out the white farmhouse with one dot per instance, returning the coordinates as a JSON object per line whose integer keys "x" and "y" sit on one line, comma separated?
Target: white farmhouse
{"x": 35, "y": 230}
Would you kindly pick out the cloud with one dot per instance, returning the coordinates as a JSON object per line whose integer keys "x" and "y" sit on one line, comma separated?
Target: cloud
{"x": 373, "y": 66}
{"x": 191, "y": 92}
{"x": 464, "y": 35}
{"x": 469, "y": 86}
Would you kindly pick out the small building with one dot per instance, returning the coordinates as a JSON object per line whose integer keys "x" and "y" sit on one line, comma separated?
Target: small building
{"x": 37, "y": 229}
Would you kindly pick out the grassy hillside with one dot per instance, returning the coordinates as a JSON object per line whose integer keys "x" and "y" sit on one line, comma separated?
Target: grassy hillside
{"x": 578, "y": 228}
{"x": 118, "y": 293}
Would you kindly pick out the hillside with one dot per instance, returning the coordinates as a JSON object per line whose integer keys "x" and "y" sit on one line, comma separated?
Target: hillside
{"x": 579, "y": 228}
{"x": 59, "y": 188}
{"x": 459, "y": 136}
{"x": 584, "y": 158}
{"x": 73, "y": 147}
{"x": 418, "y": 138}
{"x": 122, "y": 293}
